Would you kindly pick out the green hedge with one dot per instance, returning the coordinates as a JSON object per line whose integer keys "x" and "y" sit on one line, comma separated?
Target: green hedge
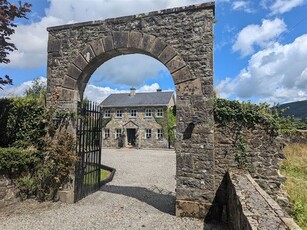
{"x": 16, "y": 162}
{"x": 22, "y": 122}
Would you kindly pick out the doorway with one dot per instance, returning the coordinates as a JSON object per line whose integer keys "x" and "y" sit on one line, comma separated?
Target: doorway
{"x": 131, "y": 137}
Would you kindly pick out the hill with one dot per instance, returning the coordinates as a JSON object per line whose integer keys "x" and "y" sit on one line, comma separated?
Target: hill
{"x": 298, "y": 109}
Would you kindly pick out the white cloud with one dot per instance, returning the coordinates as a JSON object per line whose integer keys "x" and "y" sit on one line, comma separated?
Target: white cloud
{"x": 242, "y": 5}
{"x": 98, "y": 94}
{"x": 130, "y": 70}
{"x": 31, "y": 39}
{"x": 274, "y": 74}
{"x": 255, "y": 35}
{"x": 283, "y": 6}
{"x": 19, "y": 91}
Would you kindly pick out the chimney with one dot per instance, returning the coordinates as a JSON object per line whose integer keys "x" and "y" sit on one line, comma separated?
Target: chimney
{"x": 159, "y": 90}
{"x": 132, "y": 92}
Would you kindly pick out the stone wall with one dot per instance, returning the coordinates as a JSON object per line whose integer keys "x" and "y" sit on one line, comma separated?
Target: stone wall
{"x": 181, "y": 39}
{"x": 8, "y": 192}
{"x": 264, "y": 153}
{"x": 140, "y": 123}
{"x": 249, "y": 207}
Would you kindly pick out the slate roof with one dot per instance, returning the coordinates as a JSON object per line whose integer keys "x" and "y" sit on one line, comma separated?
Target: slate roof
{"x": 139, "y": 99}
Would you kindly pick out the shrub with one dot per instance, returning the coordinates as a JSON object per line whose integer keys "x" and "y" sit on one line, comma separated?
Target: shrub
{"x": 15, "y": 162}
{"x": 247, "y": 114}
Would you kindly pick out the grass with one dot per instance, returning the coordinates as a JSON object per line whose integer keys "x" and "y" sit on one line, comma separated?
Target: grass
{"x": 295, "y": 169}
{"x": 90, "y": 179}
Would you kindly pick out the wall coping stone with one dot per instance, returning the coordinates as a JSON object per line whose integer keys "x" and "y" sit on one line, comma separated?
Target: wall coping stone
{"x": 207, "y": 5}
{"x": 244, "y": 185}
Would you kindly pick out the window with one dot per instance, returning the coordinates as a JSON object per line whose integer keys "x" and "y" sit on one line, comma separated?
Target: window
{"x": 107, "y": 113}
{"x": 132, "y": 113}
{"x": 148, "y": 133}
{"x": 118, "y": 133}
{"x": 159, "y": 112}
{"x": 119, "y": 113}
{"x": 148, "y": 113}
{"x": 159, "y": 133}
{"x": 107, "y": 133}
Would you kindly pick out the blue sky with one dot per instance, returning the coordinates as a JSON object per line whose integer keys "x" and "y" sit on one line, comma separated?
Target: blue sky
{"x": 260, "y": 50}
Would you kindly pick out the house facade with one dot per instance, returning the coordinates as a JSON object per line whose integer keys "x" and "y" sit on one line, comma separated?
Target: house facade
{"x": 134, "y": 119}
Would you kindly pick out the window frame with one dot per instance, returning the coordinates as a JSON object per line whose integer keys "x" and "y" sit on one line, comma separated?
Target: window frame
{"x": 148, "y": 111}
{"x": 119, "y": 112}
{"x": 159, "y": 111}
{"x": 118, "y": 133}
{"x": 107, "y": 113}
{"x": 148, "y": 133}
{"x": 107, "y": 133}
{"x": 131, "y": 112}
{"x": 159, "y": 134}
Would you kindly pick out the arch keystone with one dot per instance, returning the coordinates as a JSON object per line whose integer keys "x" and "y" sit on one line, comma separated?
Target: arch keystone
{"x": 120, "y": 39}
{"x": 135, "y": 39}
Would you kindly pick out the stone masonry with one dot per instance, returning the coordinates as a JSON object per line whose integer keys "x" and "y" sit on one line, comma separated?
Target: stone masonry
{"x": 181, "y": 39}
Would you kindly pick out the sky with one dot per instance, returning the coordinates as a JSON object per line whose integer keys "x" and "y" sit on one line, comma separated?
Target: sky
{"x": 260, "y": 49}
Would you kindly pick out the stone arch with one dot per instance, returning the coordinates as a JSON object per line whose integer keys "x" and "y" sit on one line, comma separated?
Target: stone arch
{"x": 180, "y": 38}
{"x": 120, "y": 43}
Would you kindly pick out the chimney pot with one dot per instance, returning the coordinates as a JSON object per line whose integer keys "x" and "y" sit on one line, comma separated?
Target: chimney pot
{"x": 132, "y": 91}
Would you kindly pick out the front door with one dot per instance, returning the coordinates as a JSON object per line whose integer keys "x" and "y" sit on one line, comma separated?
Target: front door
{"x": 131, "y": 136}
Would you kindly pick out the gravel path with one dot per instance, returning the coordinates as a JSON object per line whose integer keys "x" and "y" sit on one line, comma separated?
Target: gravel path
{"x": 141, "y": 196}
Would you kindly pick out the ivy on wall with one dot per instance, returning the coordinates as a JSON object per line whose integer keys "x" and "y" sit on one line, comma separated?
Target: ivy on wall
{"x": 168, "y": 123}
{"x": 240, "y": 116}
{"x": 247, "y": 114}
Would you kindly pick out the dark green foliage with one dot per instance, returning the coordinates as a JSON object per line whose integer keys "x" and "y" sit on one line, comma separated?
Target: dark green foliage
{"x": 168, "y": 123}
{"x": 241, "y": 154}
{"x": 22, "y": 122}
{"x": 53, "y": 171}
{"x": 247, "y": 114}
{"x": 4, "y": 113}
{"x": 15, "y": 162}
{"x": 38, "y": 160}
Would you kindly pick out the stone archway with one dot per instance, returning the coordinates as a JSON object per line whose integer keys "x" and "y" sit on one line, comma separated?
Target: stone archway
{"x": 181, "y": 39}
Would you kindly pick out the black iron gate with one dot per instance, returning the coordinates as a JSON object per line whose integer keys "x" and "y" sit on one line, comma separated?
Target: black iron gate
{"x": 88, "y": 168}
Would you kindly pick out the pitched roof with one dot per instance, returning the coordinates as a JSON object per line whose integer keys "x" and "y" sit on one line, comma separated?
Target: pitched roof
{"x": 139, "y": 99}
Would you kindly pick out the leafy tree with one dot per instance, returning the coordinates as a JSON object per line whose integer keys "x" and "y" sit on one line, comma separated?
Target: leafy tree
{"x": 8, "y": 12}
{"x": 37, "y": 91}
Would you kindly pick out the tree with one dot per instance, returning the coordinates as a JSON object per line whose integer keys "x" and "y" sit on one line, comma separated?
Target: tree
{"x": 8, "y": 13}
{"x": 38, "y": 90}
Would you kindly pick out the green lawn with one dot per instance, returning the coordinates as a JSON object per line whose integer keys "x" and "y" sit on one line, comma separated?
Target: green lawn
{"x": 295, "y": 169}
{"x": 90, "y": 179}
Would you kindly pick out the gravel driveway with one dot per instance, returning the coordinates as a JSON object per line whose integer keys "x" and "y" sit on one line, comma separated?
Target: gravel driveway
{"x": 141, "y": 196}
